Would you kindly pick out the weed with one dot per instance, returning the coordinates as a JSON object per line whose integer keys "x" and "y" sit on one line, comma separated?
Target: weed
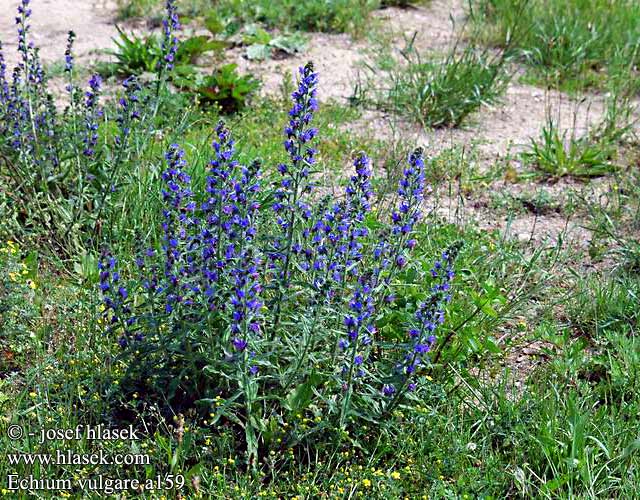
{"x": 228, "y": 16}
{"x": 560, "y": 154}
{"x": 224, "y": 88}
{"x": 439, "y": 93}
{"x": 136, "y": 55}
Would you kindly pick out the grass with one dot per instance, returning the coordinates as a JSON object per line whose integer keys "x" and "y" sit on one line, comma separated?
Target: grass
{"x": 431, "y": 90}
{"x": 560, "y": 154}
{"x": 568, "y": 430}
{"x": 570, "y": 44}
{"x": 594, "y": 153}
{"x": 229, "y": 16}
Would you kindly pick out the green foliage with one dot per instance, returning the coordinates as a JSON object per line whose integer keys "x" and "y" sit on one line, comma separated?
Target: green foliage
{"x": 303, "y": 15}
{"x": 567, "y": 43}
{"x": 435, "y": 93}
{"x": 261, "y": 45}
{"x": 135, "y": 55}
{"x": 561, "y": 154}
{"x": 17, "y": 305}
{"x": 136, "y": 8}
{"x": 190, "y": 49}
{"x": 224, "y": 89}
{"x": 602, "y": 306}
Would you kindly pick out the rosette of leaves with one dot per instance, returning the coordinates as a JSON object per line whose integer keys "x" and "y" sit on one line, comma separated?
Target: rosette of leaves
{"x": 262, "y": 45}
{"x": 225, "y": 88}
{"x": 136, "y": 55}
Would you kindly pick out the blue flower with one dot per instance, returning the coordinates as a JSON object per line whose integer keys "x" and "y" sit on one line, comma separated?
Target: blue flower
{"x": 129, "y": 108}
{"x": 430, "y": 313}
{"x": 117, "y": 312}
{"x": 92, "y": 114}
{"x": 170, "y": 24}
{"x": 295, "y": 180}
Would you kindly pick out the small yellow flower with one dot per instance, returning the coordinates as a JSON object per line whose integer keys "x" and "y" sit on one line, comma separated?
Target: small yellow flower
{"x": 395, "y": 475}
{"x": 366, "y": 483}
{"x": 32, "y": 394}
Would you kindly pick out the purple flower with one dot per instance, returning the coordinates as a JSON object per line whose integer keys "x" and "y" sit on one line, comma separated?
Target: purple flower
{"x": 170, "y": 24}
{"x": 117, "y": 313}
{"x": 129, "y": 108}
{"x": 388, "y": 390}
{"x": 430, "y": 313}
{"x": 239, "y": 344}
{"x": 92, "y": 114}
{"x": 68, "y": 53}
{"x": 295, "y": 180}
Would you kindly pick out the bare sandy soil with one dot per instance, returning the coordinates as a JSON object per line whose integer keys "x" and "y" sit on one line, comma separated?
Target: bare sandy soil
{"x": 92, "y": 21}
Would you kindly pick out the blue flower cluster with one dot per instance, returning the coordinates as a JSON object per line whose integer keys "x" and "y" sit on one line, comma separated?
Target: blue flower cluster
{"x": 290, "y": 207}
{"x": 170, "y": 25}
{"x": 129, "y": 108}
{"x": 68, "y": 53}
{"x": 429, "y": 316}
{"x": 218, "y": 210}
{"x": 178, "y": 217}
{"x": 116, "y": 311}
{"x": 334, "y": 241}
{"x": 207, "y": 257}
{"x": 92, "y": 115}
{"x": 226, "y": 272}
{"x": 4, "y": 87}
{"x": 390, "y": 253}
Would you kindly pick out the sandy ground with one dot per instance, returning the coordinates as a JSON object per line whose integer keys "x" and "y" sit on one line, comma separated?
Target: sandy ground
{"x": 92, "y": 21}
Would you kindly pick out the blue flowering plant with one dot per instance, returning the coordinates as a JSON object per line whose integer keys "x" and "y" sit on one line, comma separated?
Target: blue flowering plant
{"x": 267, "y": 296}
{"x": 62, "y": 164}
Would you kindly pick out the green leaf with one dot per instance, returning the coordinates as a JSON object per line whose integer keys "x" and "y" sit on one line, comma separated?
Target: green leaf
{"x": 213, "y": 23}
{"x": 633, "y": 447}
{"x": 299, "y": 398}
{"x": 258, "y": 52}
{"x": 255, "y": 34}
{"x": 290, "y": 44}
